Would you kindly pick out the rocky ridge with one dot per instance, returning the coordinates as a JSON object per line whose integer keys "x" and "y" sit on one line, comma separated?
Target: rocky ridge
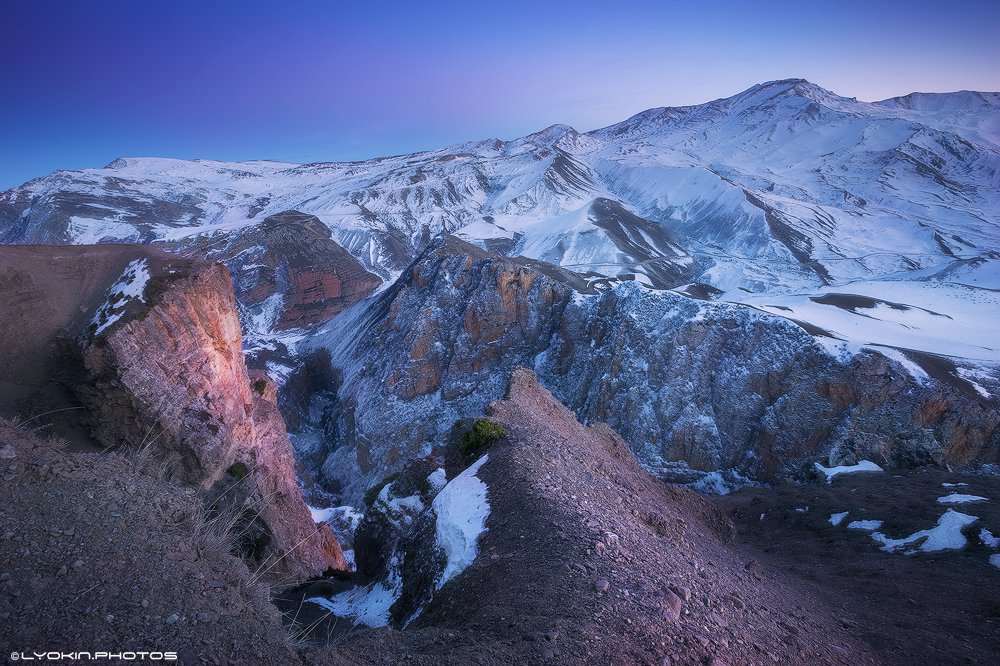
{"x": 691, "y": 385}
{"x": 586, "y": 558}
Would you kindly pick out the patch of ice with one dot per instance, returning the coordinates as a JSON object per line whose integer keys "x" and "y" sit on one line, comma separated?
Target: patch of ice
{"x": 953, "y": 485}
{"x": 870, "y": 525}
{"x": 368, "y": 605}
{"x": 946, "y": 535}
{"x": 988, "y": 539}
{"x": 863, "y": 466}
{"x": 462, "y": 508}
{"x": 959, "y": 498}
{"x": 995, "y": 560}
{"x": 801, "y": 509}
{"x": 129, "y": 287}
{"x": 438, "y": 479}
{"x": 321, "y": 515}
{"x": 838, "y": 518}
{"x": 345, "y": 514}
{"x": 970, "y": 376}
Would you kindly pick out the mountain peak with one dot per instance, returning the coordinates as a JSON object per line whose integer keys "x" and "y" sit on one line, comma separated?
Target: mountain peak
{"x": 551, "y": 134}
{"x": 790, "y": 88}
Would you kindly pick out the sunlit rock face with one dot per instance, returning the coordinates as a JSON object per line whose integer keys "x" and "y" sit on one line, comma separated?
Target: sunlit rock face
{"x": 151, "y": 346}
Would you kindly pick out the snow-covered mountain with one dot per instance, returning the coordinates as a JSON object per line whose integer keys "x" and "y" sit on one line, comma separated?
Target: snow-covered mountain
{"x": 775, "y": 198}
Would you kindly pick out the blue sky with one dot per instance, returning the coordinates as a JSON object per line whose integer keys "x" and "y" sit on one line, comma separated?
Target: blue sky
{"x": 85, "y": 82}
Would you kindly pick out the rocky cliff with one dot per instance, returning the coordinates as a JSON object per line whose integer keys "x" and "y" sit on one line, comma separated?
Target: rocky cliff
{"x": 290, "y": 272}
{"x": 566, "y": 553}
{"x": 691, "y": 385}
{"x": 158, "y": 364}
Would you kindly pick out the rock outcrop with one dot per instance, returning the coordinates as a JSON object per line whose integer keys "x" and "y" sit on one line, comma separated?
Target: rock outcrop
{"x": 689, "y": 384}
{"x": 161, "y": 367}
{"x": 290, "y": 272}
{"x": 585, "y": 558}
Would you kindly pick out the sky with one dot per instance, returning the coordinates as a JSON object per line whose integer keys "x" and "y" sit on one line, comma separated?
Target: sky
{"x": 304, "y": 81}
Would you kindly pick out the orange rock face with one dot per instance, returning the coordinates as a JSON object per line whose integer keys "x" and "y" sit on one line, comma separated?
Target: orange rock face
{"x": 293, "y": 255}
{"x": 174, "y": 377}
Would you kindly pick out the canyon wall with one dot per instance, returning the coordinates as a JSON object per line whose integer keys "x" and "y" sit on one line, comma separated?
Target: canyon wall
{"x": 714, "y": 386}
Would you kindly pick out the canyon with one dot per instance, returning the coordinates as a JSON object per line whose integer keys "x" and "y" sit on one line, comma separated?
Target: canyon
{"x": 664, "y": 328}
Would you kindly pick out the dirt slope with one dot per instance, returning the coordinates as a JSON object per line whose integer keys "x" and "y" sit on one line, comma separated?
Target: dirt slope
{"x": 587, "y": 559}
{"x": 98, "y": 552}
{"x": 925, "y": 608}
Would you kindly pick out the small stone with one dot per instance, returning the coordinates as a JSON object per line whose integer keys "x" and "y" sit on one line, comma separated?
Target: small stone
{"x": 4, "y": 577}
{"x": 109, "y": 618}
{"x": 548, "y": 653}
{"x": 203, "y": 617}
{"x": 682, "y": 592}
{"x": 78, "y": 564}
{"x": 602, "y": 586}
{"x": 671, "y": 605}
{"x": 145, "y": 603}
{"x": 172, "y": 618}
{"x": 62, "y": 571}
{"x": 7, "y": 453}
{"x": 216, "y": 584}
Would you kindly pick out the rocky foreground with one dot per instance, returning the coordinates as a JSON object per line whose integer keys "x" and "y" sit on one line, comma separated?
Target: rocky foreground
{"x": 151, "y": 498}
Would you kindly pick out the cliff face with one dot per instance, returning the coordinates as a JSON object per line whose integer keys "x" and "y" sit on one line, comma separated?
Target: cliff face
{"x": 711, "y": 386}
{"x": 290, "y": 272}
{"x": 173, "y": 376}
{"x": 160, "y": 365}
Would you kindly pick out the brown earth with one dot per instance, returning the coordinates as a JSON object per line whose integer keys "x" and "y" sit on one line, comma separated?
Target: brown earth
{"x": 929, "y": 608}
{"x": 99, "y": 552}
{"x": 587, "y": 559}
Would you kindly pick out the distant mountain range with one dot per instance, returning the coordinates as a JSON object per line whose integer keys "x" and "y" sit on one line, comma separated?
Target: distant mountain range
{"x": 872, "y": 227}
{"x": 783, "y": 189}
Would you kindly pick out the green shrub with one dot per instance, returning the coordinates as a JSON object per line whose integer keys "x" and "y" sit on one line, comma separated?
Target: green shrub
{"x": 238, "y": 470}
{"x": 482, "y": 433}
{"x": 260, "y": 386}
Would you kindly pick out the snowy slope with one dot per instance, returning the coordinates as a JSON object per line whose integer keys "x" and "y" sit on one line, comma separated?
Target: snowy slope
{"x": 775, "y": 197}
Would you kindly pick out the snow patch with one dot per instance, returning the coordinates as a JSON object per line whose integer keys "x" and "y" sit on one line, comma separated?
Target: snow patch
{"x": 438, "y": 479}
{"x": 870, "y": 525}
{"x": 343, "y": 514}
{"x": 129, "y": 287}
{"x": 838, "y": 518}
{"x": 970, "y": 375}
{"x": 863, "y": 466}
{"x": 946, "y": 535}
{"x": 988, "y": 539}
{"x": 462, "y": 508}
{"x": 995, "y": 560}
{"x": 959, "y": 498}
{"x": 368, "y": 605}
